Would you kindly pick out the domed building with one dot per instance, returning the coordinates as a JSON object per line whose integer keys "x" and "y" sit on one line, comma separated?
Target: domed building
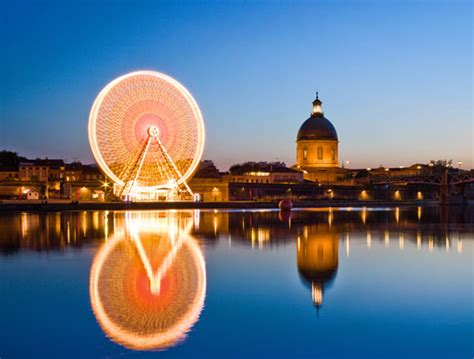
{"x": 317, "y": 147}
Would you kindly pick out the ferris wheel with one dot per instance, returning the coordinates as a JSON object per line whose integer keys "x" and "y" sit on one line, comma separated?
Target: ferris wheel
{"x": 147, "y": 134}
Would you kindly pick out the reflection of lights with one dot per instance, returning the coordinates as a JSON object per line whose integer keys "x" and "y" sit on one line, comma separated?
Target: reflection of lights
{"x": 68, "y": 232}
{"x": 259, "y": 236}
{"x": 397, "y": 215}
{"x": 84, "y": 224}
{"x": 363, "y": 215}
{"x": 401, "y": 240}
{"x": 58, "y": 224}
{"x": 448, "y": 244}
{"x": 418, "y": 213}
{"x": 147, "y": 288}
{"x": 197, "y": 219}
{"x": 430, "y": 244}
{"x": 387, "y": 238}
{"x": 459, "y": 246}
{"x": 214, "y": 221}
{"x": 317, "y": 293}
{"x": 95, "y": 220}
{"x": 369, "y": 239}
{"x": 418, "y": 240}
{"x": 419, "y": 195}
{"x": 24, "y": 224}
{"x": 106, "y": 225}
{"x": 348, "y": 245}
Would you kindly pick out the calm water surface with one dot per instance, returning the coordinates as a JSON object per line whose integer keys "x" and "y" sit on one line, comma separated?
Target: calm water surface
{"x": 322, "y": 283}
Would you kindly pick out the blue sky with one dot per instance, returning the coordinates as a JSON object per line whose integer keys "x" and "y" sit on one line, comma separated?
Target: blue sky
{"x": 395, "y": 77}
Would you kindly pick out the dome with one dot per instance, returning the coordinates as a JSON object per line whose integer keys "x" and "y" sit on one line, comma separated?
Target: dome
{"x": 326, "y": 276}
{"x": 317, "y": 127}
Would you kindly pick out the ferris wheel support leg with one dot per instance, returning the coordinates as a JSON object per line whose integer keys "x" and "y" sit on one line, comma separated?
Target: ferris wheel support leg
{"x": 170, "y": 160}
{"x": 155, "y": 287}
{"x": 155, "y": 278}
{"x": 140, "y": 164}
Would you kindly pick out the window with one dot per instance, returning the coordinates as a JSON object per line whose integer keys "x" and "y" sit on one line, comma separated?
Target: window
{"x": 305, "y": 154}
{"x": 320, "y": 153}
{"x": 333, "y": 153}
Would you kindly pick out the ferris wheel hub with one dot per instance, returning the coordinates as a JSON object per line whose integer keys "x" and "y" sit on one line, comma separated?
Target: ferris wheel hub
{"x": 153, "y": 131}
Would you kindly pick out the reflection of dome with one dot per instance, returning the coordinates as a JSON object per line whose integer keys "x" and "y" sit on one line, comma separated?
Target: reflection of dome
{"x": 317, "y": 261}
{"x": 148, "y": 283}
{"x": 317, "y": 127}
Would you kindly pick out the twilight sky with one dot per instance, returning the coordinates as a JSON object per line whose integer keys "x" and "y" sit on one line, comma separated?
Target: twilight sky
{"x": 395, "y": 77}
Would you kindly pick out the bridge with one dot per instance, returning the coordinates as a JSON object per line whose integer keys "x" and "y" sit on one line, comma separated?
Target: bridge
{"x": 443, "y": 179}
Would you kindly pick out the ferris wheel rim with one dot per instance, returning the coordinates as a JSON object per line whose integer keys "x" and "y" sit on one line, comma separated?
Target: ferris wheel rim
{"x": 93, "y": 115}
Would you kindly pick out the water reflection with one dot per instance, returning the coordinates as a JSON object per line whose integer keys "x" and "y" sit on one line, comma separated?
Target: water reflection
{"x": 317, "y": 259}
{"x": 141, "y": 240}
{"x": 148, "y": 281}
{"x": 267, "y": 270}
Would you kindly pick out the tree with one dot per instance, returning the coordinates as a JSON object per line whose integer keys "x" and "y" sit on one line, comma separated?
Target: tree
{"x": 10, "y": 159}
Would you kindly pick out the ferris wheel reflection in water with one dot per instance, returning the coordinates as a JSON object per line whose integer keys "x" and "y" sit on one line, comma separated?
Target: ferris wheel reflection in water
{"x": 148, "y": 281}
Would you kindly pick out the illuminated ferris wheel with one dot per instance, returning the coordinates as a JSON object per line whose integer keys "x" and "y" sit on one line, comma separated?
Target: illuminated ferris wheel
{"x": 147, "y": 134}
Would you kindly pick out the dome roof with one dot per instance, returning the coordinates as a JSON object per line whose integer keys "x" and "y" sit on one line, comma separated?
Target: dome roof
{"x": 327, "y": 277}
{"x": 317, "y": 127}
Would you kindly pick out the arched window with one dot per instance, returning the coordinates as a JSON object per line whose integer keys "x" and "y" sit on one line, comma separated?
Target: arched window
{"x": 333, "y": 151}
{"x": 305, "y": 154}
{"x": 320, "y": 153}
